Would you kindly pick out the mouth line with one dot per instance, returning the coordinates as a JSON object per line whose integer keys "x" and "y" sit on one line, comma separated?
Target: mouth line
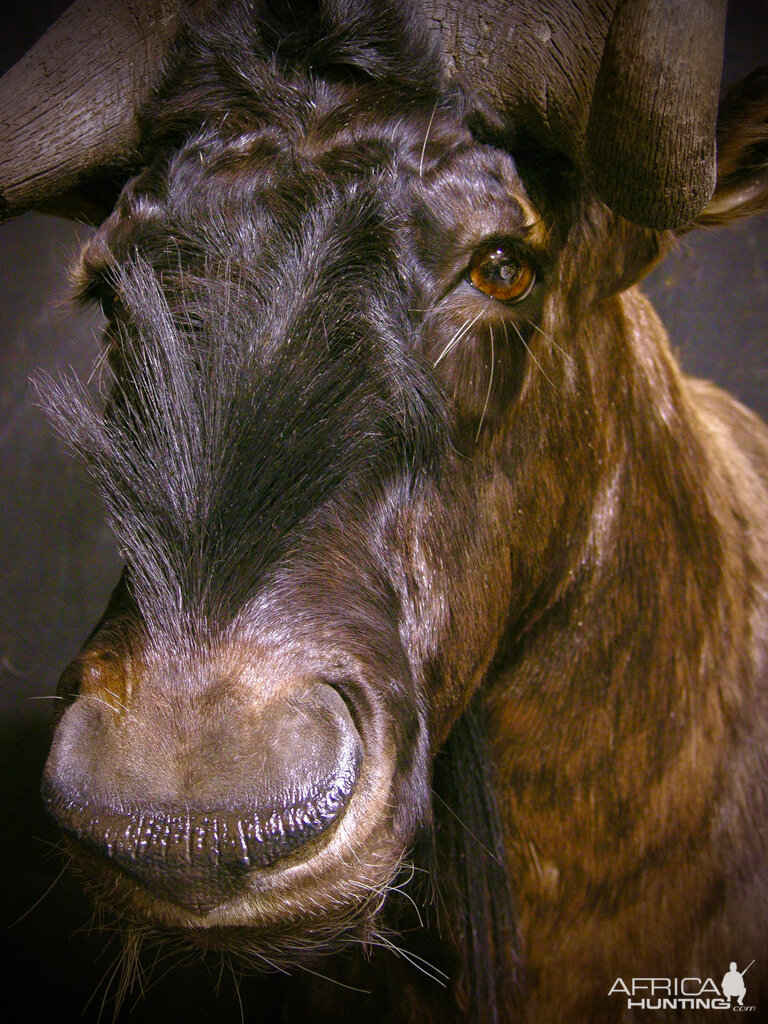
{"x": 200, "y": 859}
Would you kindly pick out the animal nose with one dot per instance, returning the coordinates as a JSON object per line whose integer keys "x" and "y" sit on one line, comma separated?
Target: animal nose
{"x": 192, "y": 829}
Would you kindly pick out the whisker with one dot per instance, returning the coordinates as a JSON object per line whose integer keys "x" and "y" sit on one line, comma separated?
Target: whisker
{"x": 236, "y": 982}
{"x": 85, "y": 696}
{"x": 117, "y": 701}
{"x": 220, "y": 976}
{"x": 400, "y": 887}
{"x": 98, "y": 700}
{"x": 105, "y": 983}
{"x": 40, "y": 899}
{"x": 462, "y": 331}
{"x": 550, "y": 339}
{"x": 98, "y": 365}
{"x": 468, "y": 830}
{"x": 488, "y": 394}
{"x": 53, "y": 848}
{"x": 533, "y": 357}
{"x": 426, "y": 137}
{"x": 130, "y": 968}
{"x": 422, "y": 965}
{"x": 332, "y": 981}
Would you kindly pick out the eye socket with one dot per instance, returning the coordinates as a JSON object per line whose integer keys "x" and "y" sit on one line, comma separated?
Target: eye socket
{"x": 497, "y": 270}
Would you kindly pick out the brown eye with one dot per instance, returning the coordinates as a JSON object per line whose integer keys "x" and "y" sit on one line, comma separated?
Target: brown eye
{"x": 501, "y": 274}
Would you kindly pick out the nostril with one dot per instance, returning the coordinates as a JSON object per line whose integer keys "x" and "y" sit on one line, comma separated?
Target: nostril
{"x": 93, "y": 674}
{"x": 258, "y": 800}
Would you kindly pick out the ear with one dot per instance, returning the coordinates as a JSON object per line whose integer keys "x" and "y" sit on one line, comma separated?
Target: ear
{"x": 742, "y": 152}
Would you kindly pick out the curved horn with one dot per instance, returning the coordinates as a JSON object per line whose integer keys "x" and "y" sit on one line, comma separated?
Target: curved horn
{"x": 650, "y": 141}
{"x": 626, "y": 88}
{"x": 67, "y": 109}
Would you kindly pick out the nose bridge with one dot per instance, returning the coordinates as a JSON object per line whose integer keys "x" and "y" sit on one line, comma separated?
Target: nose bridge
{"x": 167, "y": 718}
{"x": 138, "y": 690}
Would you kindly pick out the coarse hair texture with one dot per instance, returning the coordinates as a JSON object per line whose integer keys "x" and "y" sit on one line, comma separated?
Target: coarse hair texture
{"x": 207, "y": 80}
{"x": 239, "y": 409}
{"x": 310, "y": 407}
{"x": 205, "y": 476}
{"x": 473, "y": 868}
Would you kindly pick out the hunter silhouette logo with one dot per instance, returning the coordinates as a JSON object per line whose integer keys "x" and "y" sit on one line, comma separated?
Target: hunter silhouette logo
{"x": 686, "y": 993}
{"x": 733, "y": 984}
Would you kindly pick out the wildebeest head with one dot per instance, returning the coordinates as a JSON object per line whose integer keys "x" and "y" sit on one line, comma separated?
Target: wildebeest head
{"x": 357, "y": 355}
{"x": 297, "y": 446}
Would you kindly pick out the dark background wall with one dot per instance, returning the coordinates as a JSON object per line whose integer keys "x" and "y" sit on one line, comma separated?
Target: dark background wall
{"x": 58, "y": 561}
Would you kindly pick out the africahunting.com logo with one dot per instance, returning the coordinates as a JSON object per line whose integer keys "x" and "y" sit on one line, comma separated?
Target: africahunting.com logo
{"x": 686, "y": 993}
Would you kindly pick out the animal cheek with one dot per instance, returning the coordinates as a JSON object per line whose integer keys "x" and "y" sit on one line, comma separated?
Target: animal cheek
{"x": 457, "y": 587}
{"x": 481, "y": 369}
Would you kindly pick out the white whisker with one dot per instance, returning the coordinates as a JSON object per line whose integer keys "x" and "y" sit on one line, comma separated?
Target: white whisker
{"x": 550, "y": 339}
{"x": 422, "y": 965}
{"x": 533, "y": 357}
{"x": 90, "y": 696}
{"x": 488, "y": 394}
{"x": 426, "y": 137}
{"x": 118, "y": 702}
{"x": 462, "y": 331}
{"x": 402, "y": 892}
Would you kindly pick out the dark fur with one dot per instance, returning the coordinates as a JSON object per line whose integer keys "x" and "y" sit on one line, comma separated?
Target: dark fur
{"x": 295, "y": 452}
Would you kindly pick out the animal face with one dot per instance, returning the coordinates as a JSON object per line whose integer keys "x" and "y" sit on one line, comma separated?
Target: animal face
{"x": 319, "y": 330}
{"x": 338, "y": 320}
{"x": 380, "y": 413}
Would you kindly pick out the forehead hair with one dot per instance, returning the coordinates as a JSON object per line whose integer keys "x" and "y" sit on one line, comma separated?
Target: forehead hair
{"x": 250, "y": 397}
{"x": 262, "y": 340}
{"x": 338, "y": 46}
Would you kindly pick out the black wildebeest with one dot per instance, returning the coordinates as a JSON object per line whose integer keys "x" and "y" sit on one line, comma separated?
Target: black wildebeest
{"x": 412, "y": 494}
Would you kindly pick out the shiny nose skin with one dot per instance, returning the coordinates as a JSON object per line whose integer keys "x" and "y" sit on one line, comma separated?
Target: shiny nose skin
{"x": 256, "y": 796}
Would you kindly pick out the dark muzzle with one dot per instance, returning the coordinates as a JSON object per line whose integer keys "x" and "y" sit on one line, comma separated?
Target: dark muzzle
{"x": 261, "y": 798}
